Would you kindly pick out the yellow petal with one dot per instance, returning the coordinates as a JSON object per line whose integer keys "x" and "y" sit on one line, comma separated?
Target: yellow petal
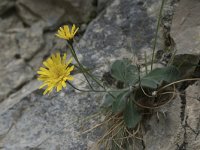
{"x": 66, "y": 29}
{"x": 64, "y": 84}
{"x": 61, "y": 33}
{"x": 75, "y": 31}
{"x": 45, "y": 92}
{"x": 62, "y": 30}
{"x": 49, "y": 89}
{"x": 58, "y": 59}
{"x": 68, "y": 62}
{"x": 46, "y": 64}
{"x": 59, "y": 87}
{"x": 53, "y": 58}
{"x": 70, "y": 69}
{"x": 43, "y": 85}
{"x": 56, "y": 73}
{"x": 49, "y": 61}
{"x": 42, "y": 72}
{"x": 64, "y": 58}
{"x": 61, "y": 36}
{"x": 70, "y": 78}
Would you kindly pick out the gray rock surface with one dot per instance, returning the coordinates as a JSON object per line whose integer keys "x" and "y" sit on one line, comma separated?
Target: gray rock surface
{"x": 29, "y": 120}
{"x": 164, "y": 130}
{"x": 177, "y": 125}
{"x": 46, "y": 122}
{"x": 10, "y": 22}
{"x": 185, "y": 27}
{"x": 6, "y": 5}
{"x": 101, "y": 4}
{"x": 118, "y": 33}
{"x": 19, "y": 46}
{"x": 53, "y": 13}
{"x": 192, "y": 117}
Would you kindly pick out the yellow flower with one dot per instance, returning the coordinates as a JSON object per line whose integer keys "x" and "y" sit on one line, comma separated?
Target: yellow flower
{"x": 55, "y": 73}
{"x": 65, "y": 33}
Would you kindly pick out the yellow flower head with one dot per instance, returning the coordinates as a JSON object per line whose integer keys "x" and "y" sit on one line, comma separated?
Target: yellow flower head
{"x": 55, "y": 73}
{"x": 65, "y": 33}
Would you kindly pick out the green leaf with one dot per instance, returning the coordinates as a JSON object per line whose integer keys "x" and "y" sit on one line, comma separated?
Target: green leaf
{"x": 119, "y": 102}
{"x": 108, "y": 99}
{"x": 131, "y": 116}
{"x": 124, "y": 71}
{"x": 154, "y": 78}
{"x": 115, "y": 99}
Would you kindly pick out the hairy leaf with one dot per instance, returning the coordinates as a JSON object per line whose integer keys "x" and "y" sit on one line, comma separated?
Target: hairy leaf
{"x": 131, "y": 116}
{"x": 124, "y": 71}
{"x": 154, "y": 78}
{"x": 119, "y": 102}
{"x": 108, "y": 99}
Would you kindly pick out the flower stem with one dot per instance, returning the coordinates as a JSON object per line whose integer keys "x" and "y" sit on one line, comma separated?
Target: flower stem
{"x": 146, "y": 69}
{"x": 81, "y": 67}
{"x": 156, "y": 36}
{"x": 90, "y": 75}
{"x": 81, "y": 90}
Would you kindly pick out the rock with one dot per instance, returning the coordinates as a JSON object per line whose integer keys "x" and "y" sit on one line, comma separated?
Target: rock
{"x": 102, "y": 4}
{"x": 17, "y": 96}
{"x": 54, "y": 13}
{"x": 19, "y": 46}
{"x": 185, "y": 27}
{"x": 125, "y": 28}
{"x": 185, "y": 65}
{"x": 48, "y": 122}
{"x": 6, "y": 5}
{"x": 172, "y": 132}
{"x": 10, "y": 22}
{"x": 52, "y": 45}
{"x": 185, "y": 32}
{"x": 192, "y": 113}
{"x": 118, "y": 33}
{"x": 165, "y": 132}
{"x": 30, "y": 41}
{"x": 13, "y": 76}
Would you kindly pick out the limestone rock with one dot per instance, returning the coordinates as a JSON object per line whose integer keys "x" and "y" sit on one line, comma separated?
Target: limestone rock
{"x": 118, "y": 33}
{"x": 5, "y": 5}
{"x": 10, "y": 22}
{"x": 53, "y": 13}
{"x": 185, "y": 27}
{"x": 125, "y": 28}
{"x": 17, "y": 96}
{"x": 193, "y": 116}
{"x": 17, "y": 48}
{"x": 185, "y": 65}
{"x": 12, "y": 76}
{"x": 165, "y": 132}
{"x": 102, "y": 4}
{"x": 48, "y": 122}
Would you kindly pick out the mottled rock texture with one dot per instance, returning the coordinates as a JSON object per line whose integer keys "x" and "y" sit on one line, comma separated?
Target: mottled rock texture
{"x": 192, "y": 117}
{"x": 164, "y": 130}
{"x": 6, "y": 5}
{"x": 123, "y": 28}
{"x": 18, "y": 47}
{"x": 185, "y": 27}
{"x": 117, "y": 32}
{"x": 53, "y": 13}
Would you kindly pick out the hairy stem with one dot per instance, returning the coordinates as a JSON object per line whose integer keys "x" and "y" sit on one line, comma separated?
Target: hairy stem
{"x": 88, "y": 73}
{"x": 156, "y": 36}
